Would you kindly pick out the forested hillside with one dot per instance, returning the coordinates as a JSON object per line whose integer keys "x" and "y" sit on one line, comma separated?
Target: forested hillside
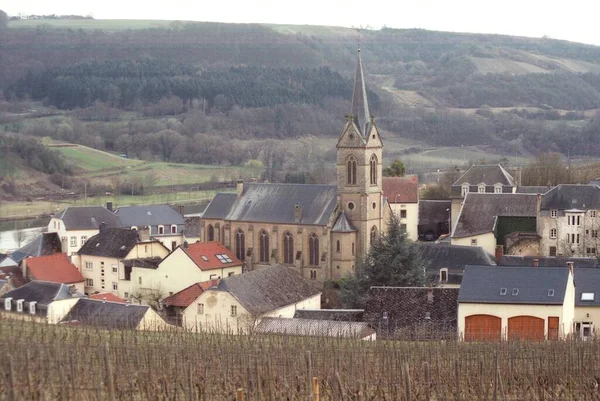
{"x": 510, "y": 94}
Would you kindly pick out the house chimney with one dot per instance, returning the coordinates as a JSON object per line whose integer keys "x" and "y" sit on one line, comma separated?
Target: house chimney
{"x": 180, "y": 208}
{"x": 298, "y": 213}
{"x": 536, "y": 262}
{"x": 144, "y": 233}
{"x": 109, "y": 206}
{"x": 240, "y": 188}
{"x": 570, "y": 266}
{"x": 185, "y": 244}
{"x": 499, "y": 252}
{"x": 103, "y": 300}
{"x": 102, "y": 227}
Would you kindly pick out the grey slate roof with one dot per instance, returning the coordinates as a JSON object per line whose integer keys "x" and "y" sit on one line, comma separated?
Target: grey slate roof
{"x": 454, "y": 258}
{"x": 479, "y": 211}
{"x": 533, "y": 189}
{"x": 43, "y": 244}
{"x": 587, "y": 280}
{"x": 109, "y": 315}
{"x": 87, "y": 217}
{"x": 316, "y": 328}
{"x": 510, "y": 260}
{"x": 483, "y": 284}
{"x": 146, "y": 263}
{"x": 152, "y": 215}
{"x": 489, "y": 175}
{"x": 565, "y": 197}
{"x": 344, "y": 315}
{"x": 41, "y": 292}
{"x": 267, "y": 289}
{"x": 275, "y": 203}
{"x": 191, "y": 228}
{"x": 343, "y": 225}
{"x": 112, "y": 243}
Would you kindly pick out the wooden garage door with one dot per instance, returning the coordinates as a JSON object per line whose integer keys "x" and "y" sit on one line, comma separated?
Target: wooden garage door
{"x": 526, "y": 328}
{"x": 483, "y": 328}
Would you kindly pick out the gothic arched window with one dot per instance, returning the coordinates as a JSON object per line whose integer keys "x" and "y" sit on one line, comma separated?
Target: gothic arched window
{"x": 210, "y": 233}
{"x": 288, "y": 248}
{"x": 373, "y": 164}
{"x": 351, "y": 173}
{"x": 338, "y": 246}
{"x": 373, "y": 234}
{"x": 264, "y": 246}
{"x": 240, "y": 244}
{"x": 313, "y": 248}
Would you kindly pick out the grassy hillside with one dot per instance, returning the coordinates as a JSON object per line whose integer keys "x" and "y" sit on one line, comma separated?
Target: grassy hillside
{"x": 89, "y": 159}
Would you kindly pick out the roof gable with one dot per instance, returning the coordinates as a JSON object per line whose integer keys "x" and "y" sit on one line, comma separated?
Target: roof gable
{"x": 265, "y": 290}
{"x": 151, "y": 215}
{"x": 343, "y": 225}
{"x": 482, "y": 284}
{"x": 87, "y": 217}
{"x": 401, "y": 189}
{"x": 275, "y": 203}
{"x": 185, "y": 297}
{"x": 56, "y": 268}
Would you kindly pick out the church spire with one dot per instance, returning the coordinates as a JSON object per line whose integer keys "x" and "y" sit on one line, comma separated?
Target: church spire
{"x": 360, "y": 105}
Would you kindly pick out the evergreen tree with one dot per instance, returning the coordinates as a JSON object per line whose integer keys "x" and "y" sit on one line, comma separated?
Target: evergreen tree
{"x": 397, "y": 169}
{"x": 393, "y": 260}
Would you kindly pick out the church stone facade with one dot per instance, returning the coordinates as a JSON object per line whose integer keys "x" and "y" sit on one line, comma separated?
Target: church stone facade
{"x": 319, "y": 229}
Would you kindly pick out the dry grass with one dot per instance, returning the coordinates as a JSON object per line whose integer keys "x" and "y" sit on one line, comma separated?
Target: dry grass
{"x": 54, "y": 362}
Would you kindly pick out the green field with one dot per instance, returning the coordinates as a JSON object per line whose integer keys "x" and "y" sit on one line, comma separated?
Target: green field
{"x": 104, "y": 24}
{"x": 89, "y": 159}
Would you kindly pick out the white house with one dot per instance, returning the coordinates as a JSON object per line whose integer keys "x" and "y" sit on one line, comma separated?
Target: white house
{"x": 402, "y": 194}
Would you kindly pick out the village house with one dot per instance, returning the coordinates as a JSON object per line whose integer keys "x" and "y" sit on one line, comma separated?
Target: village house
{"x": 39, "y": 301}
{"x": 54, "y": 268}
{"x": 315, "y": 328}
{"x": 446, "y": 263}
{"x": 165, "y": 223}
{"x": 587, "y": 303}
{"x": 239, "y": 302}
{"x": 7, "y": 261}
{"x": 569, "y": 221}
{"x": 319, "y": 230}
{"x": 76, "y": 224}
{"x": 186, "y": 265}
{"x": 479, "y": 179}
{"x": 503, "y": 219}
{"x": 516, "y": 303}
{"x": 175, "y": 304}
{"x": 412, "y": 312}
{"x": 114, "y": 315}
{"x": 43, "y": 244}
{"x": 101, "y": 258}
{"x": 402, "y": 194}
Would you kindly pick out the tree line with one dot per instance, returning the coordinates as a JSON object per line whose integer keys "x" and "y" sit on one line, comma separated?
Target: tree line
{"x": 33, "y": 154}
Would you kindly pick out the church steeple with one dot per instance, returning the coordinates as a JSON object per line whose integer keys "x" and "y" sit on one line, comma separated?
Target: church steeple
{"x": 360, "y": 105}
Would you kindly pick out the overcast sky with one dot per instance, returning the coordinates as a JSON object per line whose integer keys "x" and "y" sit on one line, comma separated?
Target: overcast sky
{"x": 574, "y": 20}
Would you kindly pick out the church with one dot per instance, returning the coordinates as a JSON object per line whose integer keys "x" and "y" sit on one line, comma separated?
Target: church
{"x": 320, "y": 230}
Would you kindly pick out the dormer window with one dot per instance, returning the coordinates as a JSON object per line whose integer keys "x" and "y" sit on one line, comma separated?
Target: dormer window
{"x": 20, "y": 305}
{"x": 481, "y": 188}
{"x": 444, "y": 275}
{"x": 502, "y": 291}
{"x": 174, "y": 229}
{"x": 515, "y": 291}
{"x": 161, "y": 229}
{"x": 551, "y": 292}
{"x": 32, "y": 307}
{"x": 464, "y": 189}
{"x": 498, "y": 188}
{"x": 554, "y": 213}
{"x": 8, "y": 303}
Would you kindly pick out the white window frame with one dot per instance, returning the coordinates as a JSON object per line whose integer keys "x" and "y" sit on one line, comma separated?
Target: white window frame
{"x": 89, "y": 282}
{"x": 89, "y": 265}
{"x": 481, "y": 188}
{"x": 474, "y": 242}
{"x": 173, "y": 228}
{"x": 73, "y": 241}
{"x": 233, "y": 311}
{"x": 443, "y": 271}
{"x": 32, "y": 305}
{"x": 161, "y": 229}
{"x": 200, "y": 309}
{"x": 497, "y": 189}
{"x": 83, "y": 239}
{"x": 8, "y": 303}
{"x": 114, "y": 268}
{"x": 115, "y": 286}
{"x": 553, "y": 233}
{"x": 20, "y": 305}
{"x": 464, "y": 189}
{"x": 553, "y": 213}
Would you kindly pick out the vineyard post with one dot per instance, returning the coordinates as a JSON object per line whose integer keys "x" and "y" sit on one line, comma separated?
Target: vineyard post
{"x": 309, "y": 373}
{"x": 190, "y": 383}
{"x": 406, "y": 372}
{"x": 239, "y": 394}
{"x": 495, "y": 376}
{"x": 315, "y": 389}
{"x": 457, "y": 372}
{"x": 12, "y": 391}
{"x": 427, "y": 384}
{"x": 109, "y": 376}
{"x": 28, "y": 367}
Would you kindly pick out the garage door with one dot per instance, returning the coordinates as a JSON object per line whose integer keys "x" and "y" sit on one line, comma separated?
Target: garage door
{"x": 526, "y": 328}
{"x": 483, "y": 328}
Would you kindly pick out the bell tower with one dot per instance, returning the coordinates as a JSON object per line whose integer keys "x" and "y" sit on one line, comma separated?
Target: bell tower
{"x": 359, "y": 166}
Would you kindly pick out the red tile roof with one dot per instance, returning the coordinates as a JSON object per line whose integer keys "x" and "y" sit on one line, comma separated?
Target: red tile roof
{"x": 401, "y": 189}
{"x": 108, "y": 296}
{"x": 204, "y": 254}
{"x": 185, "y": 297}
{"x": 55, "y": 268}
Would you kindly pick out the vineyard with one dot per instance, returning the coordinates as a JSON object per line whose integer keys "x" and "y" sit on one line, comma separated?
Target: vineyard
{"x": 44, "y": 362}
